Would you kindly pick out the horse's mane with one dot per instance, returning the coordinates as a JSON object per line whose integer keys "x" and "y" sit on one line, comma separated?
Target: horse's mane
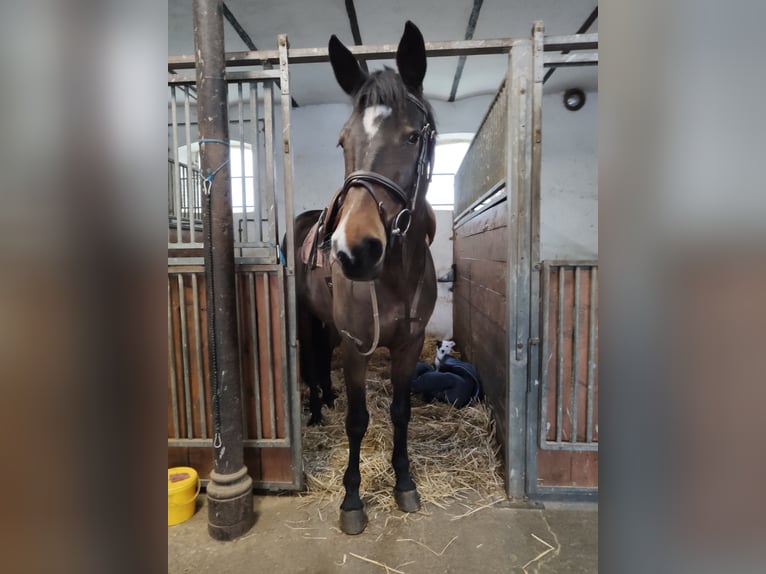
{"x": 386, "y": 88}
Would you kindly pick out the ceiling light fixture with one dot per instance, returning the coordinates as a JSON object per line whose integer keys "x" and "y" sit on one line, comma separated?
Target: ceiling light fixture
{"x": 574, "y": 99}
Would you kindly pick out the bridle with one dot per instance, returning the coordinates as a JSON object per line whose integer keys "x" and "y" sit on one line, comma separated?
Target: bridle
{"x": 407, "y": 199}
{"x": 400, "y": 223}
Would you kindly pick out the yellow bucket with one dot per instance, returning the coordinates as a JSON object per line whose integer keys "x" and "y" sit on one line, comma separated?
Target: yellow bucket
{"x": 183, "y": 488}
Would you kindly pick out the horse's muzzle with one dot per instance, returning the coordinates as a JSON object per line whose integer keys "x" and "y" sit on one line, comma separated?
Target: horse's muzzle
{"x": 364, "y": 261}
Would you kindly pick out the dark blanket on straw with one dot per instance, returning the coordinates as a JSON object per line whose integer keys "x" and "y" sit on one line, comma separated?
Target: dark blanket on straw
{"x": 456, "y": 382}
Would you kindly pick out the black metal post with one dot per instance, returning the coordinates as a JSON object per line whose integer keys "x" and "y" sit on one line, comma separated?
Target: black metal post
{"x": 229, "y": 492}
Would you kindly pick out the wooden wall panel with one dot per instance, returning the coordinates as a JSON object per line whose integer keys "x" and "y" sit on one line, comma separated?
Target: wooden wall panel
{"x": 566, "y": 468}
{"x": 480, "y": 313}
{"x": 262, "y": 365}
{"x": 480, "y": 305}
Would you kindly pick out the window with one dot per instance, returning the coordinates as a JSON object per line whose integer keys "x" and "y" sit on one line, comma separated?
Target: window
{"x": 242, "y": 180}
{"x": 449, "y": 153}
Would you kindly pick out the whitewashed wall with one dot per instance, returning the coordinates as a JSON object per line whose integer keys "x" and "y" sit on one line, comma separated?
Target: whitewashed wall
{"x": 569, "y": 180}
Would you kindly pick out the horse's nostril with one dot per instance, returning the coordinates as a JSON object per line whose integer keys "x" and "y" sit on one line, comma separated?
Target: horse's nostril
{"x": 373, "y": 247}
{"x": 344, "y": 259}
{"x": 362, "y": 260}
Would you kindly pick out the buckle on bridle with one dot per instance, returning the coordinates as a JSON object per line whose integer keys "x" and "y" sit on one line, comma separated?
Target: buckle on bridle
{"x": 401, "y": 224}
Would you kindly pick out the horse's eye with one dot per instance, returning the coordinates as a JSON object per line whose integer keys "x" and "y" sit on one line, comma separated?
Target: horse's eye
{"x": 414, "y": 137}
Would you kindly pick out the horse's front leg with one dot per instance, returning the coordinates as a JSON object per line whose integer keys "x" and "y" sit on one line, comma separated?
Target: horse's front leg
{"x": 352, "y": 516}
{"x": 403, "y": 362}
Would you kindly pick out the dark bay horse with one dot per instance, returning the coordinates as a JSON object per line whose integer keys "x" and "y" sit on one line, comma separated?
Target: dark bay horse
{"x": 365, "y": 277}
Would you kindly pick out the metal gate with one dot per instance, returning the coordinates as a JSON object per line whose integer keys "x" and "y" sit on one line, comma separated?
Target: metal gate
{"x": 259, "y": 110}
{"x": 541, "y": 317}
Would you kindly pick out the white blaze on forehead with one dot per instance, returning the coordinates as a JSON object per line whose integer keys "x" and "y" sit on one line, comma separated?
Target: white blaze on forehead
{"x": 372, "y": 118}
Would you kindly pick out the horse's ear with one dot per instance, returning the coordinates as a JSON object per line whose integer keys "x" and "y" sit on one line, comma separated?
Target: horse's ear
{"x": 347, "y": 71}
{"x": 411, "y": 57}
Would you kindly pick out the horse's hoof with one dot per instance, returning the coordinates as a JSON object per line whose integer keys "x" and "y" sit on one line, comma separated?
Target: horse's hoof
{"x": 315, "y": 420}
{"x": 407, "y": 500}
{"x": 330, "y": 400}
{"x": 353, "y": 521}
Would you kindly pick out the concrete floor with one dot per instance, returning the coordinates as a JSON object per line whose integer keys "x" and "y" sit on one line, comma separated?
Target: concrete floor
{"x": 294, "y": 536}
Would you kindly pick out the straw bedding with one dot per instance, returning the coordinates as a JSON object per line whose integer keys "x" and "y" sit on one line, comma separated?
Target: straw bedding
{"x": 454, "y": 455}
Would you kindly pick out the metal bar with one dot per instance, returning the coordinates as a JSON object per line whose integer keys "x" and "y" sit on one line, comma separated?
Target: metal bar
{"x": 370, "y": 52}
{"x": 176, "y": 169}
{"x": 183, "y": 171}
{"x": 170, "y": 188}
{"x": 174, "y": 246}
{"x": 256, "y": 356}
{"x": 545, "y": 337}
{"x": 568, "y": 493}
{"x": 292, "y": 336}
{"x": 521, "y": 161}
{"x": 188, "y": 264}
{"x": 560, "y": 359}
{"x": 229, "y": 77}
{"x": 591, "y": 353}
{"x": 270, "y": 352}
{"x": 259, "y": 255}
{"x": 518, "y": 147}
{"x": 535, "y": 354}
{"x": 583, "y": 28}
{"x": 254, "y": 156}
{"x": 172, "y": 365}
{"x": 247, "y": 443}
{"x": 185, "y": 357}
{"x": 268, "y": 123}
{"x": 575, "y": 353}
{"x": 245, "y": 36}
{"x": 198, "y": 349}
{"x": 258, "y": 267}
{"x": 470, "y": 29}
{"x": 175, "y": 79}
{"x": 386, "y": 51}
{"x": 571, "y": 42}
{"x": 572, "y": 263}
{"x": 285, "y": 349}
{"x": 243, "y": 186}
{"x": 253, "y": 75}
{"x": 354, "y": 23}
{"x": 240, "y": 345}
{"x": 266, "y": 168}
{"x": 189, "y": 170}
{"x": 570, "y": 60}
{"x": 495, "y": 189}
{"x": 569, "y": 446}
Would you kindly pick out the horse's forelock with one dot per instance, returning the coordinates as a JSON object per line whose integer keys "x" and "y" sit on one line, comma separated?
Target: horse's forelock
{"x": 381, "y": 88}
{"x": 386, "y": 88}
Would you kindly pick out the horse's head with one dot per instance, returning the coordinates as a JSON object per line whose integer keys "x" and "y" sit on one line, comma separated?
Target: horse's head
{"x": 387, "y": 146}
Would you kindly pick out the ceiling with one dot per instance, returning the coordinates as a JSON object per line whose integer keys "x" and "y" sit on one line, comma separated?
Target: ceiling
{"x": 309, "y": 24}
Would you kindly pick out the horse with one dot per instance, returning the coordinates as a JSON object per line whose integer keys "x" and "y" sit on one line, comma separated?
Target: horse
{"x": 365, "y": 277}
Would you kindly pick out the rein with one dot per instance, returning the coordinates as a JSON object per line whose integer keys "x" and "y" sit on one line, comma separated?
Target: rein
{"x": 376, "y": 325}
